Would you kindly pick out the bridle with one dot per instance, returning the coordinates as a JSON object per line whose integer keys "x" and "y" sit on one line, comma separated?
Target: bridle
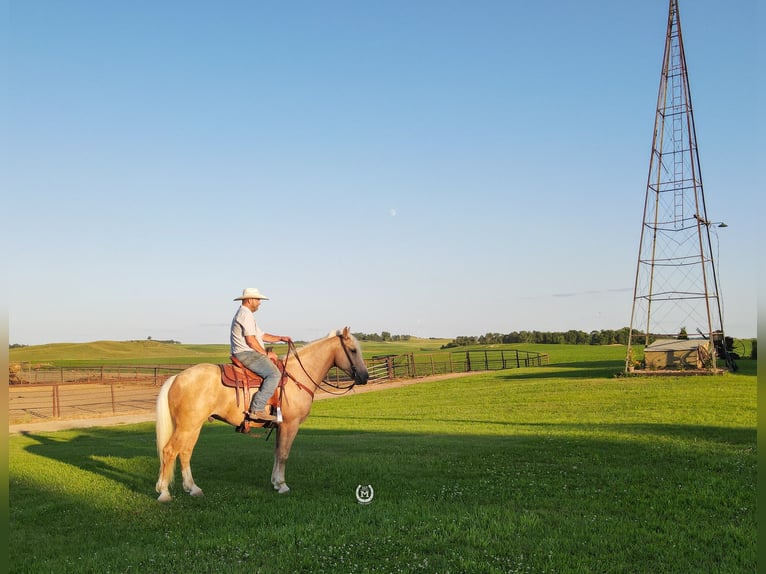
{"x": 326, "y": 383}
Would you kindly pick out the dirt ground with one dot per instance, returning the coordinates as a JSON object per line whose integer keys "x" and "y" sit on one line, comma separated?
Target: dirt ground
{"x": 145, "y": 416}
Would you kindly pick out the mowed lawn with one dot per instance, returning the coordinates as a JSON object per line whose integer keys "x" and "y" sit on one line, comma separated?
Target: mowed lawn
{"x": 565, "y": 468}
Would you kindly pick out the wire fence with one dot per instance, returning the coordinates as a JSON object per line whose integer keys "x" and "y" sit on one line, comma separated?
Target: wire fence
{"x": 39, "y": 394}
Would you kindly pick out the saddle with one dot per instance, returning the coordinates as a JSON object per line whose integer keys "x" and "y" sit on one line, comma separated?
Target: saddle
{"x": 241, "y": 379}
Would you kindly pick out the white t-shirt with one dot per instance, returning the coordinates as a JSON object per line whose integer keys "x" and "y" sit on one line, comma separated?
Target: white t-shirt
{"x": 244, "y": 325}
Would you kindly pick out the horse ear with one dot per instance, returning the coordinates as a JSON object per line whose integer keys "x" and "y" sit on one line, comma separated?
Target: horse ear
{"x": 346, "y": 332}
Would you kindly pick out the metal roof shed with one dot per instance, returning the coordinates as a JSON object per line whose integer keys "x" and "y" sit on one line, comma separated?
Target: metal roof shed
{"x": 677, "y": 354}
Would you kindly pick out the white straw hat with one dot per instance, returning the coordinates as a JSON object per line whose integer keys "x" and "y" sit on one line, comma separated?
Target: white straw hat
{"x": 250, "y": 293}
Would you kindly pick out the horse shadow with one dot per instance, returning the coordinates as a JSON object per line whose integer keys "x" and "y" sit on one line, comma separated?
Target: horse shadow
{"x": 127, "y": 455}
{"x": 118, "y": 455}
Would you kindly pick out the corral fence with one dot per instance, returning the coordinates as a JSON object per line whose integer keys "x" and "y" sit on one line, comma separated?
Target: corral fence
{"x": 411, "y": 365}
{"x": 27, "y": 373}
{"x": 39, "y": 394}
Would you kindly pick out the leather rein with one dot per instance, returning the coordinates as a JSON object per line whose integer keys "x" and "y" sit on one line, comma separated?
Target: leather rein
{"x": 291, "y": 348}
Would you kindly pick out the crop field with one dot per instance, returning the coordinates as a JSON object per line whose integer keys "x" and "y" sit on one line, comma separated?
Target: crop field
{"x": 563, "y": 468}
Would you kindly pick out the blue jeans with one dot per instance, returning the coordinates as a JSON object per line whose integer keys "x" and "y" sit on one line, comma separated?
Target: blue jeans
{"x": 261, "y": 365}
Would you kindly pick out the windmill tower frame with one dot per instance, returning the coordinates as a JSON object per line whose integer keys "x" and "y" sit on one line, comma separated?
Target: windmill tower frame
{"x": 676, "y": 291}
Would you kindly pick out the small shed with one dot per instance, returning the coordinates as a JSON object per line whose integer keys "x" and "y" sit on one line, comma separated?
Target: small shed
{"x": 676, "y": 354}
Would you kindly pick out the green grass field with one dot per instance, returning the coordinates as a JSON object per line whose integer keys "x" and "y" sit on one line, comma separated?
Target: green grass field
{"x": 156, "y": 352}
{"x": 153, "y": 352}
{"x": 565, "y": 468}
{"x": 118, "y": 353}
{"x": 149, "y": 352}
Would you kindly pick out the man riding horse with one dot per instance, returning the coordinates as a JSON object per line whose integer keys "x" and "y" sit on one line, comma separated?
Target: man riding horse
{"x": 247, "y": 345}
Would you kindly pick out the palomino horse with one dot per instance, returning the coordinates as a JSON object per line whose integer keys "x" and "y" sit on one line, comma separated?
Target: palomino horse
{"x": 188, "y": 399}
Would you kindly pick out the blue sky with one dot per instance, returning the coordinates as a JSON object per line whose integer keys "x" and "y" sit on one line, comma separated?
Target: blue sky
{"x": 426, "y": 168}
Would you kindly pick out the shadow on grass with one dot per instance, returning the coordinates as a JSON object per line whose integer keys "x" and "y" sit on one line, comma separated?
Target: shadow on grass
{"x": 111, "y": 453}
{"x": 722, "y": 435}
{"x": 570, "y": 370}
{"x": 97, "y": 450}
{"x": 605, "y": 370}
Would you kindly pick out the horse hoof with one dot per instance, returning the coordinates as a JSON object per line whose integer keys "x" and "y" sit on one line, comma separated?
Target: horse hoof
{"x": 196, "y": 491}
{"x": 283, "y": 488}
{"x": 164, "y": 497}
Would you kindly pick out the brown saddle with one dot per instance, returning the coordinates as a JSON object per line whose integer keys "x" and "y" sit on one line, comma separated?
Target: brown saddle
{"x": 241, "y": 379}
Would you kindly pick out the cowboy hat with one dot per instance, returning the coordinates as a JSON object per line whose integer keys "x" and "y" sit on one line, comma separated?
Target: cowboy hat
{"x": 250, "y": 293}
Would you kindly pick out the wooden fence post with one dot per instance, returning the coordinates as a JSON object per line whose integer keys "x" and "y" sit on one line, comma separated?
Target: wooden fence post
{"x": 56, "y": 406}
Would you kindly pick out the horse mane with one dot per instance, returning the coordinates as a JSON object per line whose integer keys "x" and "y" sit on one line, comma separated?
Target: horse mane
{"x": 330, "y": 335}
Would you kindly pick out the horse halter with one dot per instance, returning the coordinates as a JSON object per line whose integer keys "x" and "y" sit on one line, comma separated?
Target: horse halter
{"x": 350, "y": 361}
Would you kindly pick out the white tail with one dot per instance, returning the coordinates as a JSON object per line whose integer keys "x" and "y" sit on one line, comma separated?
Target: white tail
{"x": 164, "y": 421}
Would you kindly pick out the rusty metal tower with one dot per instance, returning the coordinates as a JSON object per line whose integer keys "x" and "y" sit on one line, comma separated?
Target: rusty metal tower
{"x": 676, "y": 288}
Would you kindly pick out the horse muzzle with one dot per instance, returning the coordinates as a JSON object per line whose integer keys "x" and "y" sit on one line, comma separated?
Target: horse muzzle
{"x": 360, "y": 377}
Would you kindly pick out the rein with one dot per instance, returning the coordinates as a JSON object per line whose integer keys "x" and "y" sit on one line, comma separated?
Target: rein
{"x": 291, "y": 348}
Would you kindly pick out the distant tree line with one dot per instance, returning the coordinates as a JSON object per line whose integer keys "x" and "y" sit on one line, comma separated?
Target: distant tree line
{"x": 168, "y": 341}
{"x": 384, "y": 336}
{"x": 572, "y": 337}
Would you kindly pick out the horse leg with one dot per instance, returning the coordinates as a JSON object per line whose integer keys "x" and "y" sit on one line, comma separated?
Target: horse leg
{"x": 285, "y": 438}
{"x": 184, "y": 457}
{"x": 180, "y": 446}
{"x": 167, "y": 465}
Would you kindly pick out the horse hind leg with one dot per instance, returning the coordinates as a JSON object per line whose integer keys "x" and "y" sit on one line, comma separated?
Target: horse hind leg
{"x": 167, "y": 467}
{"x": 179, "y": 446}
{"x": 184, "y": 457}
{"x": 188, "y": 481}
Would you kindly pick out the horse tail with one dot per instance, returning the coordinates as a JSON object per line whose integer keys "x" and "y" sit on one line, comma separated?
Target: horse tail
{"x": 164, "y": 420}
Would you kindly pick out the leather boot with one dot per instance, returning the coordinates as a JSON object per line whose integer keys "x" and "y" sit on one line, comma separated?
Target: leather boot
{"x": 262, "y": 415}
